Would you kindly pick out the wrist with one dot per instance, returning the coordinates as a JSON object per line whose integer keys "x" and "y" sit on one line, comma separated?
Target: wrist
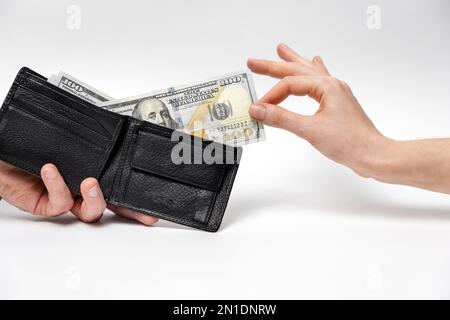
{"x": 375, "y": 160}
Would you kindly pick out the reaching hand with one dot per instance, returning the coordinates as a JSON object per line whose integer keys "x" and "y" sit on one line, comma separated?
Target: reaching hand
{"x": 340, "y": 129}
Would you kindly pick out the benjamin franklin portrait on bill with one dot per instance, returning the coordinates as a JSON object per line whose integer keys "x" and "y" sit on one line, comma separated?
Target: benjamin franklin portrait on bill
{"x": 155, "y": 111}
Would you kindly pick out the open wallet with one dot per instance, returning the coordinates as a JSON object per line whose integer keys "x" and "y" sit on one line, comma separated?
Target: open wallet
{"x": 132, "y": 159}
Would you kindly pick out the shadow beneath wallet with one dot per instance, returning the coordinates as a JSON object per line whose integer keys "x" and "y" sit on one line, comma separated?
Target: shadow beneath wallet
{"x": 111, "y": 218}
{"x": 69, "y": 219}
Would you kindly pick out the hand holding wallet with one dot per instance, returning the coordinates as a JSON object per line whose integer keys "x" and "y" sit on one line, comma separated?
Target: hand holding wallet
{"x": 41, "y": 123}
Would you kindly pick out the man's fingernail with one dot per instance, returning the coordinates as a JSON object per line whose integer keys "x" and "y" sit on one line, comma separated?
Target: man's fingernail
{"x": 50, "y": 173}
{"x": 93, "y": 192}
{"x": 318, "y": 59}
{"x": 258, "y": 111}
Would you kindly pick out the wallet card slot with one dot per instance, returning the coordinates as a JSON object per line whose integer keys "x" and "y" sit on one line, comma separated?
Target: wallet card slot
{"x": 98, "y": 119}
{"x": 57, "y": 107}
{"x": 153, "y": 154}
{"x": 29, "y": 142}
{"x": 65, "y": 123}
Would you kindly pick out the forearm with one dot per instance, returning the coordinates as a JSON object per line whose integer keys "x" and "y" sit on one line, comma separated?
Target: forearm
{"x": 419, "y": 163}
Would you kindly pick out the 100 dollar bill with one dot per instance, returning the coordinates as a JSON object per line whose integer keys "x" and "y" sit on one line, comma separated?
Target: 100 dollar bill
{"x": 216, "y": 109}
{"x": 78, "y": 88}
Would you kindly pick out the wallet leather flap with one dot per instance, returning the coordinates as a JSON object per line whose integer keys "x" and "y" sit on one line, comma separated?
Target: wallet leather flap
{"x": 154, "y": 154}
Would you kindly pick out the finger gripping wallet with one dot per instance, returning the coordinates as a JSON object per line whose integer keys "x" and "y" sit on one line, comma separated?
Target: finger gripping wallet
{"x": 132, "y": 159}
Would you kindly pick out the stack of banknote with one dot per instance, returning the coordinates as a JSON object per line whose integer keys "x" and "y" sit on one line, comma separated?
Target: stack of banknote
{"x": 216, "y": 109}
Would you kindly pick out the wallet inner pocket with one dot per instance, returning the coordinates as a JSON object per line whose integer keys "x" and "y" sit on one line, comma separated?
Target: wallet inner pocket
{"x": 30, "y": 141}
{"x": 157, "y": 195}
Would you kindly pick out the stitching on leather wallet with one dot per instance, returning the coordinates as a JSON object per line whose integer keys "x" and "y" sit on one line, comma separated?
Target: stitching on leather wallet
{"x": 11, "y": 92}
{"x": 164, "y": 216}
{"x": 130, "y": 150}
{"x": 226, "y": 193}
{"x": 211, "y": 207}
{"x": 123, "y": 157}
{"x": 108, "y": 151}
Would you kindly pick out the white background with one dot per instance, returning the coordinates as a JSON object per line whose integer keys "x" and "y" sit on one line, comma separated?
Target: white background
{"x": 297, "y": 225}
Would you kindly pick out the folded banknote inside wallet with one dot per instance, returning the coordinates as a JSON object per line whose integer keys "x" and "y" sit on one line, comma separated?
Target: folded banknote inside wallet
{"x": 132, "y": 159}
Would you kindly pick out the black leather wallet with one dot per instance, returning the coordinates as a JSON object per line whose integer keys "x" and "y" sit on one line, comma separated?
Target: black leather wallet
{"x": 41, "y": 123}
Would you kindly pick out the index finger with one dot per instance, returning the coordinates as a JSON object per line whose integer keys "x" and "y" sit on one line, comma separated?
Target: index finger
{"x": 279, "y": 69}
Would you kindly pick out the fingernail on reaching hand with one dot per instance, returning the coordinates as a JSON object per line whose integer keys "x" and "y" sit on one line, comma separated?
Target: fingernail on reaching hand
{"x": 258, "y": 111}
{"x": 50, "y": 173}
{"x": 93, "y": 192}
